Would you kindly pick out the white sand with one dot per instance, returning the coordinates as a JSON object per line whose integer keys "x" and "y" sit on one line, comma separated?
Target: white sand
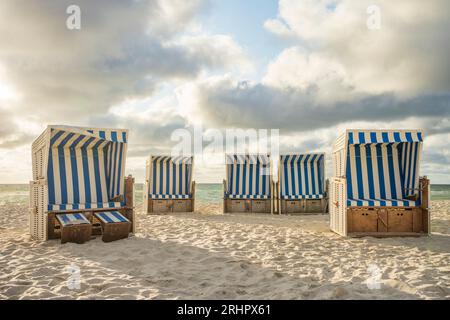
{"x": 210, "y": 256}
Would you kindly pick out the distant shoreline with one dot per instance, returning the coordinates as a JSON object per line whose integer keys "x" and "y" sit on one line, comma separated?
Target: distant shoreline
{"x": 207, "y": 193}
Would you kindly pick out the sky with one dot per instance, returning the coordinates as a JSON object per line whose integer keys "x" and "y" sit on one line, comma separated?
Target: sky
{"x": 310, "y": 68}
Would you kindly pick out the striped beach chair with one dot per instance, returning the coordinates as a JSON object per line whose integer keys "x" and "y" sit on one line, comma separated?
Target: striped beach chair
{"x": 248, "y": 185}
{"x": 301, "y": 184}
{"x": 114, "y": 225}
{"x": 168, "y": 185}
{"x": 77, "y": 170}
{"x": 75, "y": 227}
{"x": 376, "y": 188}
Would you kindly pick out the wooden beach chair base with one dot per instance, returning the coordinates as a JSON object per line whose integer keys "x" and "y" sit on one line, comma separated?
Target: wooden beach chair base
{"x": 247, "y": 206}
{"x": 387, "y": 221}
{"x": 161, "y": 206}
{"x": 303, "y": 206}
{"x": 114, "y": 225}
{"x": 74, "y": 228}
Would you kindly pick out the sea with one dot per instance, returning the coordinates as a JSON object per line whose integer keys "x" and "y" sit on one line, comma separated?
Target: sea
{"x": 205, "y": 193}
{"x": 19, "y": 194}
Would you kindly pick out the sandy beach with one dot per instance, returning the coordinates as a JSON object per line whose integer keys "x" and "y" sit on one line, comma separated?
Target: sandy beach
{"x": 215, "y": 256}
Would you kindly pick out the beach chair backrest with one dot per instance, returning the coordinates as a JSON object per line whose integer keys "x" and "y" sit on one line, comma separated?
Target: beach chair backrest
{"x": 383, "y": 164}
{"x": 86, "y": 167}
{"x": 302, "y": 174}
{"x": 249, "y": 175}
{"x": 170, "y": 175}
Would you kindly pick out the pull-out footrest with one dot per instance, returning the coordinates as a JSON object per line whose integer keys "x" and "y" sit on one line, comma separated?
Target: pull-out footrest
{"x": 114, "y": 225}
{"x": 75, "y": 227}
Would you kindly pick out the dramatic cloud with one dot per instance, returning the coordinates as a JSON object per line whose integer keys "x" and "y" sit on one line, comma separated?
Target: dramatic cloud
{"x": 409, "y": 51}
{"x": 150, "y": 66}
{"x": 104, "y": 74}
{"x": 124, "y": 50}
{"x": 226, "y": 102}
{"x": 340, "y": 73}
{"x": 341, "y": 70}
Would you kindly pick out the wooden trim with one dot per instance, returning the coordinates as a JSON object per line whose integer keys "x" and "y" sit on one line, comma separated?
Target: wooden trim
{"x": 149, "y": 206}
{"x": 383, "y": 220}
{"x": 53, "y": 227}
{"x": 169, "y": 205}
{"x": 303, "y": 204}
{"x": 225, "y": 204}
{"x": 273, "y": 198}
{"x": 128, "y": 210}
{"x": 424, "y": 184}
{"x": 115, "y": 231}
{"x": 75, "y": 233}
{"x": 193, "y": 196}
{"x": 386, "y": 221}
{"x": 80, "y": 233}
{"x": 262, "y": 206}
{"x": 385, "y": 234}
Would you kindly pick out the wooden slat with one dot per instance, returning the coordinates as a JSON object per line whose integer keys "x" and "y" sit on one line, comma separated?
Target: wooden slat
{"x": 385, "y": 234}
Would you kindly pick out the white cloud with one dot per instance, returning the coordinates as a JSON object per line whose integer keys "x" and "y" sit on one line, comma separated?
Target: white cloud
{"x": 341, "y": 74}
{"x": 222, "y": 101}
{"x": 408, "y": 54}
{"x": 215, "y": 51}
{"x": 151, "y": 67}
{"x": 279, "y": 28}
{"x": 120, "y": 53}
{"x": 294, "y": 68}
{"x": 169, "y": 17}
{"x": 118, "y": 70}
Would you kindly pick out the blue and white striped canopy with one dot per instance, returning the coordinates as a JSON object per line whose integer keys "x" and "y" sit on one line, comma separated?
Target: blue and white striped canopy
{"x": 111, "y": 217}
{"x": 72, "y": 219}
{"x": 170, "y": 177}
{"x": 380, "y": 136}
{"x": 302, "y": 176}
{"x": 248, "y": 177}
{"x": 384, "y": 172}
{"x": 85, "y": 168}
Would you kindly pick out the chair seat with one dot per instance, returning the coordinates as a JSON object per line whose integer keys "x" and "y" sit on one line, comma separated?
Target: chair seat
{"x": 382, "y": 203}
{"x": 69, "y": 219}
{"x": 247, "y": 196}
{"x": 302, "y": 196}
{"x": 170, "y": 196}
{"x": 83, "y": 206}
{"x": 110, "y": 217}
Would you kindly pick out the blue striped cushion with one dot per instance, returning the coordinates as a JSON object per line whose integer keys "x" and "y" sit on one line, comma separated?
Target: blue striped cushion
{"x": 107, "y": 205}
{"x": 169, "y": 196}
{"x": 246, "y": 196}
{"x": 110, "y": 217}
{"x": 381, "y": 203}
{"x": 72, "y": 219}
{"x": 296, "y": 197}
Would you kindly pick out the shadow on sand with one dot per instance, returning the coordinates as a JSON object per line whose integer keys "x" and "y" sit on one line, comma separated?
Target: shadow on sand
{"x": 181, "y": 271}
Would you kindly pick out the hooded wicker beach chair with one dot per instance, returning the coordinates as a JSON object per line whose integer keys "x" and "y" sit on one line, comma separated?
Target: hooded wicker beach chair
{"x": 76, "y": 172}
{"x": 248, "y": 185}
{"x": 301, "y": 185}
{"x": 168, "y": 184}
{"x": 376, "y": 189}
